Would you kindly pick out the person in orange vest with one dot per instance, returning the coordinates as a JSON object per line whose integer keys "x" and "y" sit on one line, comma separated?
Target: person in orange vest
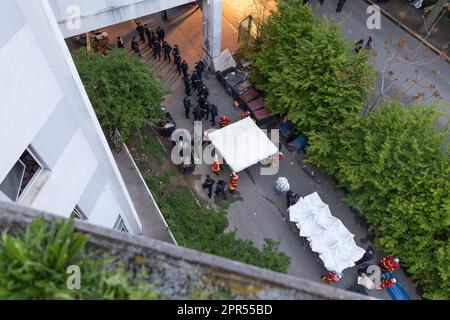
{"x": 216, "y": 167}
{"x": 388, "y": 283}
{"x": 245, "y": 115}
{"x": 224, "y": 121}
{"x": 331, "y": 278}
{"x": 234, "y": 178}
{"x": 389, "y": 263}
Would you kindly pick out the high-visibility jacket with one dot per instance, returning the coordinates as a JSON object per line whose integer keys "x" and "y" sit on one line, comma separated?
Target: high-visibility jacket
{"x": 388, "y": 264}
{"x": 330, "y": 278}
{"x": 224, "y": 121}
{"x": 387, "y": 283}
{"x": 216, "y": 166}
{"x": 234, "y": 181}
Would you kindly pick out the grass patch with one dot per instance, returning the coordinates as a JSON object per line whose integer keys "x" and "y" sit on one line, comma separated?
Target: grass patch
{"x": 203, "y": 229}
{"x": 149, "y": 145}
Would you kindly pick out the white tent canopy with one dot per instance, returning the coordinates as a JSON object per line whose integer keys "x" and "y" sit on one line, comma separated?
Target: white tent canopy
{"x": 242, "y": 144}
{"x": 326, "y": 234}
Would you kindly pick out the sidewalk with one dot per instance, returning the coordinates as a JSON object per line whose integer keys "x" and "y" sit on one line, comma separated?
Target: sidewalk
{"x": 255, "y": 212}
{"x": 153, "y": 223}
{"x": 353, "y": 22}
{"x": 411, "y": 20}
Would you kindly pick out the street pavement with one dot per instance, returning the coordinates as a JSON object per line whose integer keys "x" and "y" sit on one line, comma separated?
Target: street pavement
{"x": 353, "y": 20}
{"x": 256, "y": 212}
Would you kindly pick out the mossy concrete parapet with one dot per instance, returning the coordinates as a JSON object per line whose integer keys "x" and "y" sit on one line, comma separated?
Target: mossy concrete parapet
{"x": 176, "y": 272}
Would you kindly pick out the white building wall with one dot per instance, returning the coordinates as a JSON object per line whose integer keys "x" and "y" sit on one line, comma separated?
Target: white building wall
{"x": 102, "y": 13}
{"x": 29, "y": 93}
{"x": 43, "y": 103}
{"x": 69, "y": 177}
{"x": 106, "y": 202}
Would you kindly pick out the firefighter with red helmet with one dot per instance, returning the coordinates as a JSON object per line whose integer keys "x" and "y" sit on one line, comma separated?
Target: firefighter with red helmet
{"x": 388, "y": 283}
{"x": 389, "y": 264}
{"x": 224, "y": 121}
{"x": 216, "y": 167}
{"x": 234, "y": 178}
{"x": 331, "y": 278}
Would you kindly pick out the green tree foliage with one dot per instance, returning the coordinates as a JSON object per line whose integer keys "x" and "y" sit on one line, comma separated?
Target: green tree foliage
{"x": 125, "y": 95}
{"x": 392, "y": 160}
{"x": 308, "y": 72}
{"x": 199, "y": 228}
{"x": 398, "y": 172}
{"x": 33, "y": 265}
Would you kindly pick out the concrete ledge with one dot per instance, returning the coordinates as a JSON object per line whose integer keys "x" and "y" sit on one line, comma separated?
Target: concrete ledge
{"x": 176, "y": 271}
{"x": 408, "y": 30}
{"x": 174, "y": 241}
{"x": 153, "y": 222}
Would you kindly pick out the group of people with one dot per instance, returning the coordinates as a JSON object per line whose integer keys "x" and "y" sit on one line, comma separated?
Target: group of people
{"x": 388, "y": 265}
{"x": 203, "y": 108}
{"x": 221, "y": 185}
{"x": 359, "y": 45}
{"x": 158, "y": 44}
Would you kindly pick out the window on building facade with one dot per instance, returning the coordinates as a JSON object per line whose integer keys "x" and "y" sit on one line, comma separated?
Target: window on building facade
{"x": 77, "y": 213}
{"x": 120, "y": 225}
{"x": 21, "y": 176}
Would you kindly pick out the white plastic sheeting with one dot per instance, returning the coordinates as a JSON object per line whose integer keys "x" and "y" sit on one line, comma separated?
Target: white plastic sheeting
{"x": 326, "y": 234}
{"x": 242, "y": 144}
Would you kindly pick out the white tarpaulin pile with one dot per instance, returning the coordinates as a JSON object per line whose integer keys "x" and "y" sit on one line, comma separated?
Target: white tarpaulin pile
{"x": 325, "y": 233}
{"x": 242, "y": 144}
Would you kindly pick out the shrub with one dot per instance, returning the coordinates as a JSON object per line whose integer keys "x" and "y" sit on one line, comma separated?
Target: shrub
{"x": 395, "y": 165}
{"x": 199, "y": 228}
{"x": 33, "y": 265}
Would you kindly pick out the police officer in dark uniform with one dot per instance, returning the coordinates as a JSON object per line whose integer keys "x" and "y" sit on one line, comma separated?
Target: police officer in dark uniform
{"x": 207, "y": 108}
{"x": 220, "y": 188}
{"x": 187, "y": 85}
{"x": 151, "y": 39}
{"x": 208, "y": 184}
{"x": 184, "y": 68}
{"x": 214, "y": 113}
{"x": 201, "y": 100}
{"x": 204, "y": 91}
{"x": 157, "y": 50}
{"x": 199, "y": 82}
{"x": 175, "y": 50}
{"x": 194, "y": 79}
{"x": 120, "y": 43}
{"x": 148, "y": 33}
{"x": 340, "y": 5}
{"x": 135, "y": 46}
{"x": 167, "y": 49}
{"x": 147, "y": 30}
{"x": 161, "y": 34}
{"x": 197, "y": 112}
{"x": 178, "y": 63}
{"x": 187, "y": 106}
{"x": 141, "y": 31}
{"x": 200, "y": 67}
